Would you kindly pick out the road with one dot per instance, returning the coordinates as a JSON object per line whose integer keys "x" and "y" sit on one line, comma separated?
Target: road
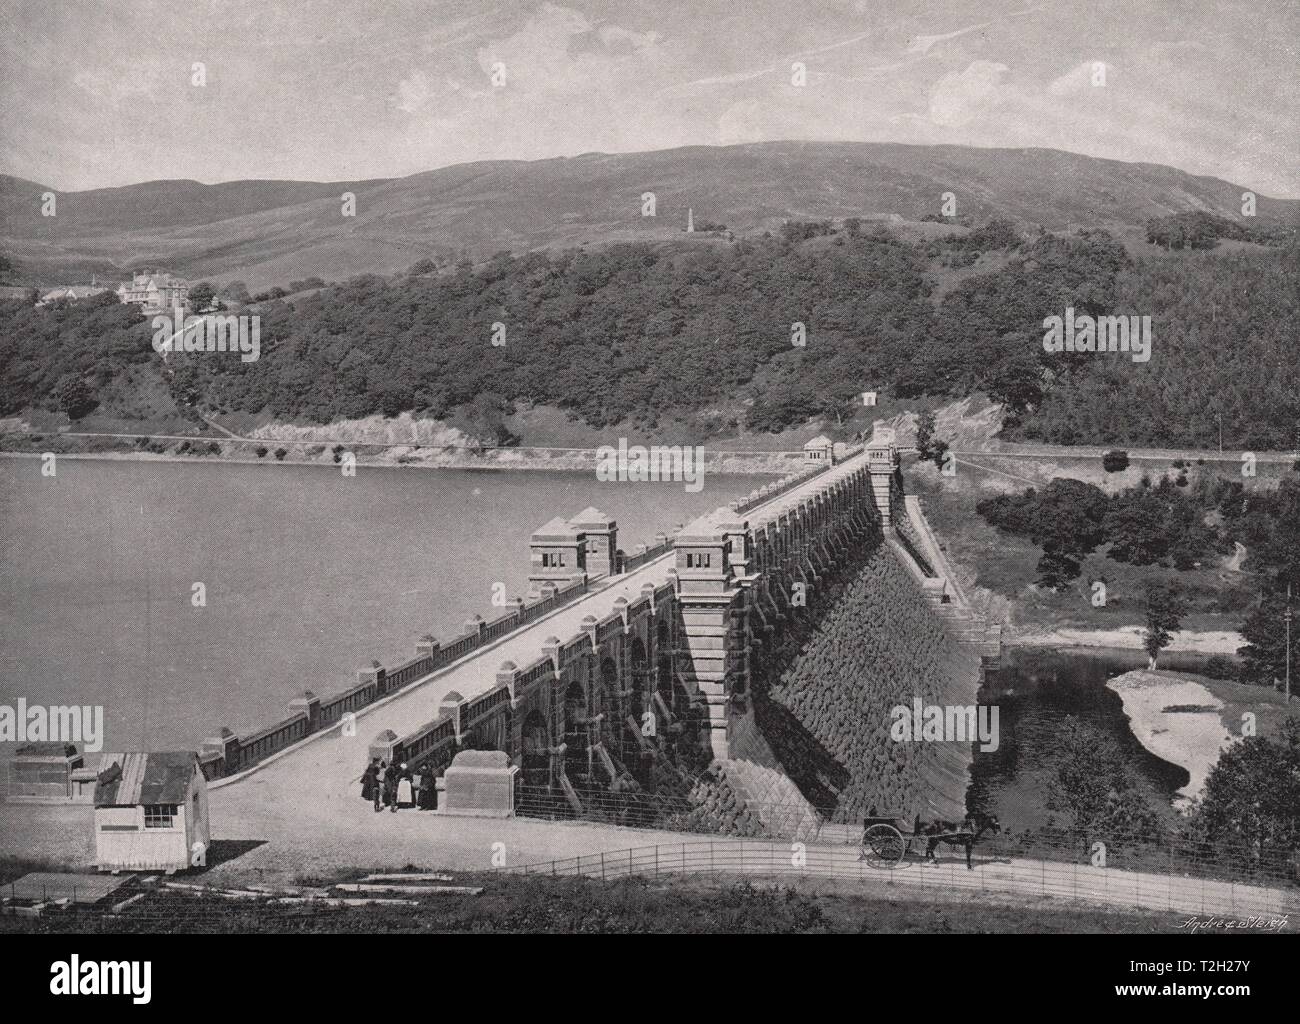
{"x": 948, "y": 878}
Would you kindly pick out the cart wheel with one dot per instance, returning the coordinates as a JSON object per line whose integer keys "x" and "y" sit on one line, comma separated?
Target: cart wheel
{"x": 883, "y": 845}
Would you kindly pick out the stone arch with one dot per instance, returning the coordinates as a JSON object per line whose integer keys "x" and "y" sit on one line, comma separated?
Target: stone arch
{"x": 641, "y": 677}
{"x": 635, "y": 707}
{"x": 611, "y": 703}
{"x": 664, "y": 678}
{"x": 577, "y": 759}
{"x": 536, "y": 760}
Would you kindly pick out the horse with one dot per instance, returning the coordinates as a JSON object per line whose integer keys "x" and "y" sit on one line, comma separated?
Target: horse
{"x": 966, "y": 834}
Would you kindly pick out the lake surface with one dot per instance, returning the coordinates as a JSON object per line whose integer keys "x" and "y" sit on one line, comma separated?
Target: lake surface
{"x": 309, "y": 575}
{"x": 1035, "y": 690}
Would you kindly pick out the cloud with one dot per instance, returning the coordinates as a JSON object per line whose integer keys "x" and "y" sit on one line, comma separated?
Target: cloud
{"x": 957, "y": 99}
{"x": 537, "y": 56}
{"x": 1076, "y": 79}
{"x": 612, "y": 35}
{"x": 413, "y": 92}
{"x": 922, "y": 44}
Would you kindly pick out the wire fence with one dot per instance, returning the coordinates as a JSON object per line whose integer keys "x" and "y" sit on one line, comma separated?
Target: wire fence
{"x": 722, "y": 812}
{"x": 949, "y": 879}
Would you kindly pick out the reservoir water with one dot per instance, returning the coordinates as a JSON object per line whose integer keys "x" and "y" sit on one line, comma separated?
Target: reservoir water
{"x": 1035, "y": 690}
{"x": 308, "y": 575}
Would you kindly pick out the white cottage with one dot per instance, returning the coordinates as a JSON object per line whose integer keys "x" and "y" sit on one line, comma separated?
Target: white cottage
{"x": 151, "y": 812}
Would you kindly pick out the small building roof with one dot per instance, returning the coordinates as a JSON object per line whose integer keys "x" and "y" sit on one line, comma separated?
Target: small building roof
{"x": 556, "y": 528}
{"x": 154, "y": 777}
{"x": 820, "y": 441}
{"x": 726, "y": 519}
{"x": 702, "y": 529}
{"x": 590, "y": 516}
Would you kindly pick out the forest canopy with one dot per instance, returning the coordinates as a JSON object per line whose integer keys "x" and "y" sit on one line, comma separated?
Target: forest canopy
{"x": 638, "y": 332}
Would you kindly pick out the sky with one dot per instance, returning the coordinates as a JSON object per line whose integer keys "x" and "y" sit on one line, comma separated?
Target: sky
{"x": 97, "y": 93}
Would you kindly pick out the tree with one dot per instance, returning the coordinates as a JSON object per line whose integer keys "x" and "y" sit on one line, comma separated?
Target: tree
{"x": 75, "y": 397}
{"x": 1165, "y": 611}
{"x": 1272, "y": 533}
{"x": 6, "y": 266}
{"x": 201, "y": 295}
{"x": 1066, "y": 518}
{"x": 1136, "y": 524}
{"x": 1251, "y": 808}
{"x": 235, "y": 291}
{"x": 1090, "y": 781}
{"x": 930, "y": 448}
{"x": 1115, "y": 461}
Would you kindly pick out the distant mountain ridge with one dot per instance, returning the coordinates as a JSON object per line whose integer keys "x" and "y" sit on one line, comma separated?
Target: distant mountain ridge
{"x": 266, "y": 232}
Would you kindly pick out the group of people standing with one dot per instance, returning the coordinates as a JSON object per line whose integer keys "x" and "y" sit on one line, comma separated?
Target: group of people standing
{"x": 394, "y": 785}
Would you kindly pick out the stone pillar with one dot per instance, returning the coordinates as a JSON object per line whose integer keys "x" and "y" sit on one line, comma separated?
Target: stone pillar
{"x": 450, "y": 708}
{"x": 225, "y": 744}
{"x": 385, "y": 746}
{"x": 375, "y": 674}
{"x": 309, "y": 705}
{"x": 428, "y": 647}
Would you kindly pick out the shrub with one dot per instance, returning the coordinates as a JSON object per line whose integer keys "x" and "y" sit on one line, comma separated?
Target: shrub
{"x": 1220, "y": 666}
{"x": 1115, "y": 461}
{"x": 280, "y": 453}
{"x": 261, "y": 451}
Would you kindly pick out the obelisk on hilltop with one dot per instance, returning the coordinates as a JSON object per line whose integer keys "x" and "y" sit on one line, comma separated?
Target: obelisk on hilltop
{"x": 690, "y": 220}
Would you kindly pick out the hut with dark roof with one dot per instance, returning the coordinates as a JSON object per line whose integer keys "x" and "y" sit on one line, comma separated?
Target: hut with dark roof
{"x": 151, "y": 812}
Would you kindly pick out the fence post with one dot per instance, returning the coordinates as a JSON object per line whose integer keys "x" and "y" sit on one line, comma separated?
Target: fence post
{"x": 602, "y": 865}
{"x": 656, "y": 861}
{"x": 629, "y": 863}
{"x": 713, "y": 871}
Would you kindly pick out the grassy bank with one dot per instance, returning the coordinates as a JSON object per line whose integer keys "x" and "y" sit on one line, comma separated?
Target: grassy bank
{"x": 676, "y": 905}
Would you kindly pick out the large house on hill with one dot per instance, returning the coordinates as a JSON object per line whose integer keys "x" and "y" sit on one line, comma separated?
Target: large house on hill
{"x": 155, "y": 292}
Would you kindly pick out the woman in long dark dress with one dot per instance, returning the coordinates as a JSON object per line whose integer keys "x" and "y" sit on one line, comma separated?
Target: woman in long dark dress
{"x": 428, "y": 789}
{"x": 369, "y": 780}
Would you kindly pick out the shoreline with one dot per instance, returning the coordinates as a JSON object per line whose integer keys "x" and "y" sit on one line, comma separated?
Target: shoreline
{"x": 406, "y": 457}
{"x": 1192, "y": 740}
{"x": 1129, "y": 638}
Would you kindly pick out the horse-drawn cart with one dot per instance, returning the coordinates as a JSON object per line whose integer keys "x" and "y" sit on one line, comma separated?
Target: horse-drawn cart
{"x": 887, "y": 839}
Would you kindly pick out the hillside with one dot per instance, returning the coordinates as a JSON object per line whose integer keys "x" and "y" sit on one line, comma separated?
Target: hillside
{"x": 695, "y": 341}
{"x": 268, "y": 232}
